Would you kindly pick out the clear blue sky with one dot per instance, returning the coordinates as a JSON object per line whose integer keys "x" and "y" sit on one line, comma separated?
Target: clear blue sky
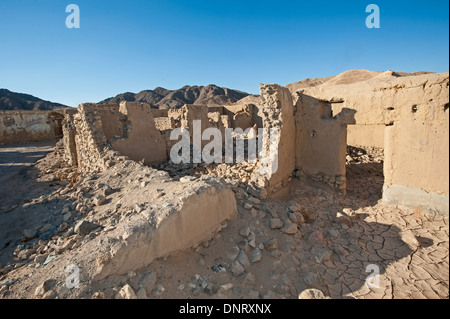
{"x": 136, "y": 45}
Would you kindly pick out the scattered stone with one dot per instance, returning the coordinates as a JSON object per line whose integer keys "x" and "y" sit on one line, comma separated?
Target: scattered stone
{"x": 144, "y": 183}
{"x": 237, "y": 269}
{"x": 248, "y": 206}
{"x": 296, "y": 207}
{"x": 7, "y": 283}
{"x": 312, "y": 294}
{"x": 141, "y": 294}
{"x": 48, "y": 234}
{"x": 67, "y": 217}
{"x": 296, "y": 218}
{"x": 51, "y": 294}
{"x": 233, "y": 253}
{"x": 40, "y": 259}
{"x": 25, "y": 254}
{"x": 307, "y": 216}
{"x": 99, "y": 200}
{"x": 99, "y": 295}
{"x": 148, "y": 282}
{"x": 46, "y": 228}
{"x": 44, "y": 287}
{"x": 271, "y": 244}
{"x": 62, "y": 227}
{"x": 105, "y": 190}
{"x": 243, "y": 245}
{"x": 187, "y": 179}
{"x": 245, "y": 232}
{"x": 67, "y": 245}
{"x": 159, "y": 290}
{"x": 126, "y": 293}
{"x": 29, "y": 234}
{"x": 84, "y": 227}
{"x": 255, "y": 256}
{"x": 289, "y": 227}
{"x": 276, "y": 223}
{"x": 243, "y": 259}
{"x": 253, "y": 200}
{"x": 344, "y": 219}
{"x": 225, "y": 287}
{"x": 252, "y": 240}
{"x": 316, "y": 238}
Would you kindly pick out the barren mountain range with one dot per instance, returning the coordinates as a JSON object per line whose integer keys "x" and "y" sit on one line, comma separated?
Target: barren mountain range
{"x": 20, "y": 101}
{"x": 161, "y": 98}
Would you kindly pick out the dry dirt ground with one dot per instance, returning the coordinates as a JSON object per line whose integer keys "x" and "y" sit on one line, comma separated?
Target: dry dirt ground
{"x": 316, "y": 238}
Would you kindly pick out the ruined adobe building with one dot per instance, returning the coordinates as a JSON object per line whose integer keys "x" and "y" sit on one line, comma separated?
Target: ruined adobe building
{"x": 406, "y": 116}
{"x": 409, "y": 118}
{"x": 30, "y": 126}
{"x": 97, "y": 137}
{"x": 143, "y": 134}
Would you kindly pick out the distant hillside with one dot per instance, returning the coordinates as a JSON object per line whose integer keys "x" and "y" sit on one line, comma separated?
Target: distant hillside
{"x": 161, "y": 98}
{"x": 20, "y": 101}
{"x": 348, "y": 77}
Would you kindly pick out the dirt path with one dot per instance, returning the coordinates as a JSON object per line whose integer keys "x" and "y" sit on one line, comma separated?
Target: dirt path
{"x": 17, "y": 157}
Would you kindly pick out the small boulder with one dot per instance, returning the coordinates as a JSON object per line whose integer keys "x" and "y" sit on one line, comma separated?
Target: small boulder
{"x": 237, "y": 269}
{"x": 312, "y": 294}
{"x": 276, "y": 223}
{"x": 84, "y": 227}
{"x": 126, "y": 293}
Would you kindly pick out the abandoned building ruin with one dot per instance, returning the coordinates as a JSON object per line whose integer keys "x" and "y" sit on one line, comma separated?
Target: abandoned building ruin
{"x": 407, "y": 117}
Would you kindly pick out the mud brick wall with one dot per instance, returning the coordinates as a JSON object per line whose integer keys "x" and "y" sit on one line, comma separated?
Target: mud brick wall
{"x": 89, "y": 139}
{"x": 29, "y": 126}
{"x": 321, "y": 141}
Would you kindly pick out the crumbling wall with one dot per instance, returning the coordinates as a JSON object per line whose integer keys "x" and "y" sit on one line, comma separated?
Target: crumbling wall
{"x": 69, "y": 133}
{"x": 112, "y": 120}
{"x": 159, "y": 112}
{"x": 90, "y": 141}
{"x": 190, "y": 112}
{"x": 164, "y": 123}
{"x": 141, "y": 141}
{"x": 29, "y": 126}
{"x": 416, "y": 166}
{"x": 242, "y": 116}
{"x": 371, "y": 99}
{"x": 277, "y": 112}
{"x": 321, "y": 140}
